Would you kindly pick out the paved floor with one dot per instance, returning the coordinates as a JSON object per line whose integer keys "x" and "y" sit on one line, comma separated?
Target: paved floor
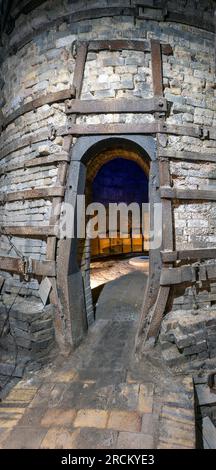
{"x": 108, "y": 270}
{"x": 100, "y": 397}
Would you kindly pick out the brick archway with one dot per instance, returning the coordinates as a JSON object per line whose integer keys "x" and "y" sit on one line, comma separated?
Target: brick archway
{"x": 87, "y": 156}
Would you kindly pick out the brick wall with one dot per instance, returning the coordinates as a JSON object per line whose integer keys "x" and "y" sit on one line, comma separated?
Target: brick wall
{"x": 45, "y": 64}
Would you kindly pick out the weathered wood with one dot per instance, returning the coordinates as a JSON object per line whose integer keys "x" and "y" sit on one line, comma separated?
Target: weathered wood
{"x": 158, "y": 311}
{"x": 17, "y": 265}
{"x": 167, "y": 217}
{"x": 38, "y": 161}
{"x": 82, "y": 51}
{"x": 125, "y": 44}
{"x": 37, "y": 103}
{"x": 118, "y": 45}
{"x": 199, "y": 132}
{"x": 39, "y": 193}
{"x": 98, "y": 129}
{"x": 173, "y": 276}
{"x": 196, "y": 253}
{"x": 156, "y": 64}
{"x": 91, "y": 129}
{"x": 190, "y": 156}
{"x": 188, "y": 194}
{"x": 30, "y": 231}
{"x": 167, "y": 240}
{"x": 164, "y": 172}
{"x": 149, "y": 105}
{"x": 133, "y": 128}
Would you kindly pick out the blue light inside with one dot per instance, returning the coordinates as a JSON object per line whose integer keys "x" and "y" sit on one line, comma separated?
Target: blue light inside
{"x": 120, "y": 180}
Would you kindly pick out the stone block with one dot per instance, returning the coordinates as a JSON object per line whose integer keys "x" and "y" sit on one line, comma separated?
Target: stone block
{"x": 198, "y": 348}
{"x": 92, "y": 438}
{"x": 124, "y": 421}
{"x": 60, "y": 438}
{"x": 91, "y": 418}
{"x": 58, "y": 416}
{"x": 132, "y": 440}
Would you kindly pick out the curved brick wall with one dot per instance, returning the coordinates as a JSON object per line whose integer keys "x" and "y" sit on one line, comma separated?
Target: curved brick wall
{"x": 37, "y": 59}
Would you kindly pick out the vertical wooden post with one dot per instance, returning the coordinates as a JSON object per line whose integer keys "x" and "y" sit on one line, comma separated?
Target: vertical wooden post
{"x": 167, "y": 231}
{"x": 61, "y": 178}
{"x": 157, "y": 75}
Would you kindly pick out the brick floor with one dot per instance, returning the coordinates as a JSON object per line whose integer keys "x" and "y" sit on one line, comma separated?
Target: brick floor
{"x": 98, "y": 397}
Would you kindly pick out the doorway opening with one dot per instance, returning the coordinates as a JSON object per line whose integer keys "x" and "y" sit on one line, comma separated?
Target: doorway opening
{"x": 107, "y": 169}
{"x": 119, "y": 181}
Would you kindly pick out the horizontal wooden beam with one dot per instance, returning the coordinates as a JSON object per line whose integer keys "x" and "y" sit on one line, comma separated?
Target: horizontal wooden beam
{"x": 196, "y": 253}
{"x": 190, "y": 156}
{"x": 17, "y": 265}
{"x": 188, "y": 194}
{"x": 37, "y": 103}
{"x": 91, "y": 129}
{"x": 136, "y": 128}
{"x": 98, "y": 129}
{"x": 149, "y": 105}
{"x": 37, "y": 193}
{"x": 188, "y": 274}
{"x": 118, "y": 45}
{"x": 125, "y": 44}
{"x": 34, "y": 162}
{"x": 30, "y": 231}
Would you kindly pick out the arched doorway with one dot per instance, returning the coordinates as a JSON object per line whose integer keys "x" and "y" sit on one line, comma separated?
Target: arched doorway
{"x": 122, "y": 183}
{"x": 89, "y": 154}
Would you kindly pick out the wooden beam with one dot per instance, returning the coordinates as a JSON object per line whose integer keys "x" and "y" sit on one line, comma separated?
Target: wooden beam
{"x": 92, "y": 129}
{"x": 190, "y": 156}
{"x": 98, "y": 129}
{"x": 168, "y": 243}
{"x": 188, "y": 194}
{"x": 195, "y": 253}
{"x": 37, "y": 103}
{"x": 118, "y": 45}
{"x": 34, "y": 162}
{"x": 167, "y": 216}
{"x": 82, "y": 50}
{"x": 190, "y": 274}
{"x": 149, "y": 105}
{"x": 17, "y": 265}
{"x": 156, "y": 64}
{"x": 30, "y": 231}
{"x": 37, "y": 193}
{"x": 144, "y": 128}
{"x": 158, "y": 310}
